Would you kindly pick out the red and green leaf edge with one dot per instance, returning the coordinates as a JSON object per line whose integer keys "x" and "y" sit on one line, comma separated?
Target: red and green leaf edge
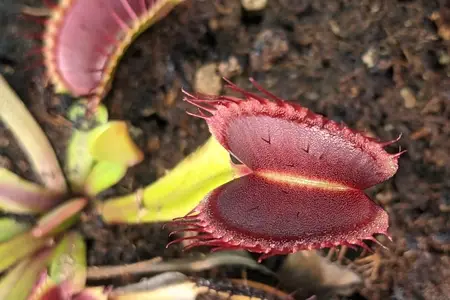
{"x": 306, "y": 180}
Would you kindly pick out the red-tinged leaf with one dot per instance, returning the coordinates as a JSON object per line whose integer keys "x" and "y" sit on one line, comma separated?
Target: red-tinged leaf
{"x": 253, "y": 213}
{"x": 125, "y": 152}
{"x": 24, "y": 285}
{"x": 11, "y": 278}
{"x": 305, "y": 188}
{"x": 287, "y": 138}
{"x": 46, "y": 289}
{"x": 54, "y": 292}
{"x": 14, "y": 114}
{"x": 64, "y": 291}
{"x": 10, "y": 228}
{"x": 20, "y": 196}
{"x": 58, "y": 218}
{"x": 19, "y": 247}
{"x": 68, "y": 263}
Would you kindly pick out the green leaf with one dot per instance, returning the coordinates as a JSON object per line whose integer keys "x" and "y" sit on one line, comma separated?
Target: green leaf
{"x": 46, "y": 289}
{"x": 10, "y": 279}
{"x": 59, "y": 218}
{"x": 177, "y": 193}
{"x": 25, "y": 276}
{"x": 104, "y": 175}
{"x": 20, "y": 196}
{"x": 112, "y": 142}
{"x": 78, "y": 113}
{"x": 124, "y": 209}
{"x": 79, "y": 160}
{"x": 68, "y": 263}
{"x": 180, "y": 191}
{"x": 19, "y": 247}
{"x": 10, "y": 228}
{"x": 31, "y": 138}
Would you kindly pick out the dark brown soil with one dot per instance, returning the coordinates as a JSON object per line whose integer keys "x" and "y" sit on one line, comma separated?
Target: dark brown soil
{"x": 381, "y": 66}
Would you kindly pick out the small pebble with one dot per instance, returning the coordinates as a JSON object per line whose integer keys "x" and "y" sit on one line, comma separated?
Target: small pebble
{"x": 230, "y": 67}
{"x": 442, "y": 20}
{"x": 334, "y": 26}
{"x": 408, "y": 97}
{"x": 370, "y": 57}
{"x": 207, "y": 80}
{"x": 312, "y": 96}
{"x": 135, "y": 132}
{"x": 444, "y": 58}
{"x": 23, "y": 166}
{"x": 171, "y": 97}
{"x": 148, "y": 111}
{"x": 213, "y": 24}
{"x": 153, "y": 144}
{"x": 254, "y": 5}
{"x": 389, "y": 127}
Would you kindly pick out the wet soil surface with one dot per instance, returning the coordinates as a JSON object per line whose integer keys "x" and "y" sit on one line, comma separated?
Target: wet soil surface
{"x": 380, "y": 66}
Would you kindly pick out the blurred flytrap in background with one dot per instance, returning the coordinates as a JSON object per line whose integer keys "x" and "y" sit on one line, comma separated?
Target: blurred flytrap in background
{"x": 86, "y": 69}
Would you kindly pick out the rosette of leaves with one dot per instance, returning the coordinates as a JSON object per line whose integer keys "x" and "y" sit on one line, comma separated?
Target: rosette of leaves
{"x": 35, "y": 256}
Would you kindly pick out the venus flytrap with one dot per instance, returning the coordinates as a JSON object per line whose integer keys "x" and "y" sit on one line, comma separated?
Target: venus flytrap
{"x": 86, "y": 69}
{"x": 304, "y": 181}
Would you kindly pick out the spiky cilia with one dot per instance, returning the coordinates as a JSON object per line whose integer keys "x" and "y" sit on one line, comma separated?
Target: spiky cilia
{"x": 303, "y": 184}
